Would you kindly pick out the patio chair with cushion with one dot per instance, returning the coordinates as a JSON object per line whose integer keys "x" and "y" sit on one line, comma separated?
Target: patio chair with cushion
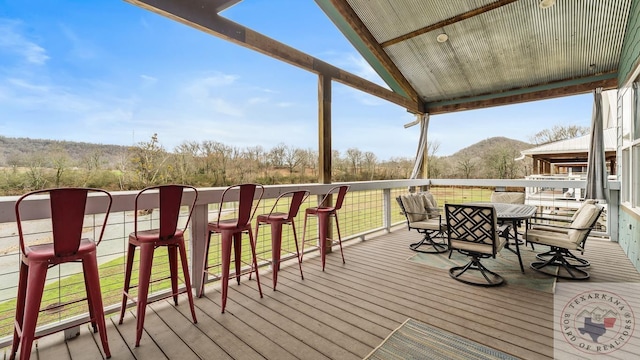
{"x": 473, "y": 230}
{"x": 572, "y": 237}
{"x": 551, "y": 222}
{"x": 423, "y": 215}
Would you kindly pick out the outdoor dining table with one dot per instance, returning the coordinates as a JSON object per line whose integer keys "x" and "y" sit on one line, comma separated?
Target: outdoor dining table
{"x": 514, "y": 213}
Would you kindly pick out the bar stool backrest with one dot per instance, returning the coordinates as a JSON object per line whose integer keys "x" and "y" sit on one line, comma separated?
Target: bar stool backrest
{"x": 67, "y": 208}
{"x": 168, "y": 200}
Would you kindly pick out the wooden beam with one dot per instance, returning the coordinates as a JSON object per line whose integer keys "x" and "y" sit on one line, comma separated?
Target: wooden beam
{"x": 568, "y": 90}
{"x": 324, "y": 129}
{"x": 374, "y": 47}
{"x": 201, "y": 15}
{"x": 449, "y": 21}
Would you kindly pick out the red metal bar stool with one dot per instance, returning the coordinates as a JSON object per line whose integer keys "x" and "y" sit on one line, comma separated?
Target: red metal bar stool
{"x": 248, "y": 197}
{"x": 324, "y": 211}
{"x": 168, "y": 199}
{"x": 67, "y": 209}
{"x": 276, "y": 220}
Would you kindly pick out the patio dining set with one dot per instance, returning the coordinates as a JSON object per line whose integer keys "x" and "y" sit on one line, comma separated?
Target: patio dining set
{"x": 482, "y": 230}
{"x": 67, "y": 211}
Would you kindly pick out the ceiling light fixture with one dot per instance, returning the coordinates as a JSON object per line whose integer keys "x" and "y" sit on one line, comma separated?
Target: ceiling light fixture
{"x": 545, "y": 4}
{"x": 442, "y": 38}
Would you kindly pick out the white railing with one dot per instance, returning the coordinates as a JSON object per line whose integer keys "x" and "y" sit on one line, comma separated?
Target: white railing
{"x": 369, "y": 207}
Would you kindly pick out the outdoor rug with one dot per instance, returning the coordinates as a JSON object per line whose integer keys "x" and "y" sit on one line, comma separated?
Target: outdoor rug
{"x": 416, "y": 340}
{"x": 505, "y": 264}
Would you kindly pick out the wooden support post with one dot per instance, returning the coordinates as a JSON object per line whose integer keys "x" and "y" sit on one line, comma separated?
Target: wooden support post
{"x": 324, "y": 137}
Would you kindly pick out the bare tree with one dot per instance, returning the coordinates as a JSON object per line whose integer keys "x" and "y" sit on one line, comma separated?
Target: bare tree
{"x": 502, "y": 164}
{"x": 292, "y": 158}
{"x": 276, "y": 155}
{"x": 557, "y": 133}
{"x": 59, "y": 162}
{"x": 466, "y": 166}
{"x": 370, "y": 162}
{"x": 354, "y": 157}
{"x": 148, "y": 159}
{"x": 434, "y": 168}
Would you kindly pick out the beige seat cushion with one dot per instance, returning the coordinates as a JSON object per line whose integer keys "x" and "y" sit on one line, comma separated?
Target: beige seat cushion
{"x": 507, "y": 197}
{"x": 426, "y": 224}
{"x": 482, "y": 248}
{"x": 551, "y": 238}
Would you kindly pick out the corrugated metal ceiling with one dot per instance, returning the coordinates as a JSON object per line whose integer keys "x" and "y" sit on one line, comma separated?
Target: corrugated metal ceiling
{"x": 515, "y": 46}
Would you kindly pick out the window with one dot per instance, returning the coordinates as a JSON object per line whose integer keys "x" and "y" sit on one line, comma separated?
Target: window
{"x": 630, "y": 155}
{"x": 624, "y": 180}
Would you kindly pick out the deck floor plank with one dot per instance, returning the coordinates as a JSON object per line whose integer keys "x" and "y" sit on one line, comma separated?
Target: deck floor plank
{"x": 85, "y": 344}
{"x": 281, "y": 329}
{"x": 343, "y": 312}
{"x": 182, "y": 325}
{"x": 148, "y": 349}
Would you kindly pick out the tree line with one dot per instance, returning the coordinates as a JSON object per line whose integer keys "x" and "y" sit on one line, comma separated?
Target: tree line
{"x": 210, "y": 163}
{"x": 202, "y": 164}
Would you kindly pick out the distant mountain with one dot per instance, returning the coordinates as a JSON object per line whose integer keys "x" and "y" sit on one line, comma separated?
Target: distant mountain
{"x": 22, "y": 150}
{"x": 480, "y": 158}
{"x": 480, "y": 148}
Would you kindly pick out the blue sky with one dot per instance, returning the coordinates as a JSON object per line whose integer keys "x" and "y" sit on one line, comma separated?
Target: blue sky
{"x": 109, "y": 72}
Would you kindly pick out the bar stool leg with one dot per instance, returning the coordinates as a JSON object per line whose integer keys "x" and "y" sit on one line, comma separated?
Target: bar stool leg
{"x": 237, "y": 248}
{"x": 205, "y": 264}
{"x": 35, "y": 287}
{"x": 127, "y": 280}
{"x": 226, "y": 239}
{"x": 304, "y": 236}
{"x": 276, "y": 248}
{"x": 323, "y": 227}
{"x": 22, "y": 294}
{"x": 172, "y": 251}
{"x": 295, "y": 239}
{"x": 255, "y": 261}
{"x": 339, "y": 237}
{"x": 146, "y": 261}
{"x": 90, "y": 267}
{"x": 187, "y": 279}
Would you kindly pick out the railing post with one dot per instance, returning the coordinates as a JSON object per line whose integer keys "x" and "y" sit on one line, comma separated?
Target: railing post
{"x": 199, "y": 221}
{"x": 613, "y": 214}
{"x": 386, "y": 209}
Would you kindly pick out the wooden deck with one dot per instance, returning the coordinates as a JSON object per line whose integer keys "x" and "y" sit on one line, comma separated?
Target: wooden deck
{"x": 342, "y": 313}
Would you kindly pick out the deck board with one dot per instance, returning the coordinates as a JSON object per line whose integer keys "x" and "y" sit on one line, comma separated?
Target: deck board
{"x": 343, "y": 312}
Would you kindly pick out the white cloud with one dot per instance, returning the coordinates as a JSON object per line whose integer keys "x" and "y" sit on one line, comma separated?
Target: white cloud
{"x": 284, "y": 104}
{"x": 222, "y": 106}
{"x": 148, "y": 80}
{"x": 362, "y": 68}
{"x": 206, "y": 91}
{"x": 14, "y": 42}
{"x": 80, "y": 48}
{"x": 257, "y": 100}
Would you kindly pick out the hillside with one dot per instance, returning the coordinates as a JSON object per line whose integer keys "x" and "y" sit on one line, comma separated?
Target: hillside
{"x": 26, "y": 152}
{"x": 484, "y": 146}
{"x": 489, "y": 158}
{"x": 21, "y": 151}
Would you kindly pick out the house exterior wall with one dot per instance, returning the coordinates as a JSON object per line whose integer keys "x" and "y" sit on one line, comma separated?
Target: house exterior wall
{"x": 628, "y": 70}
{"x": 630, "y": 54}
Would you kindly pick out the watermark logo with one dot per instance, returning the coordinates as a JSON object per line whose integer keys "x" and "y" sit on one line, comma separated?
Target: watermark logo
{"x": 596, "y": 319}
